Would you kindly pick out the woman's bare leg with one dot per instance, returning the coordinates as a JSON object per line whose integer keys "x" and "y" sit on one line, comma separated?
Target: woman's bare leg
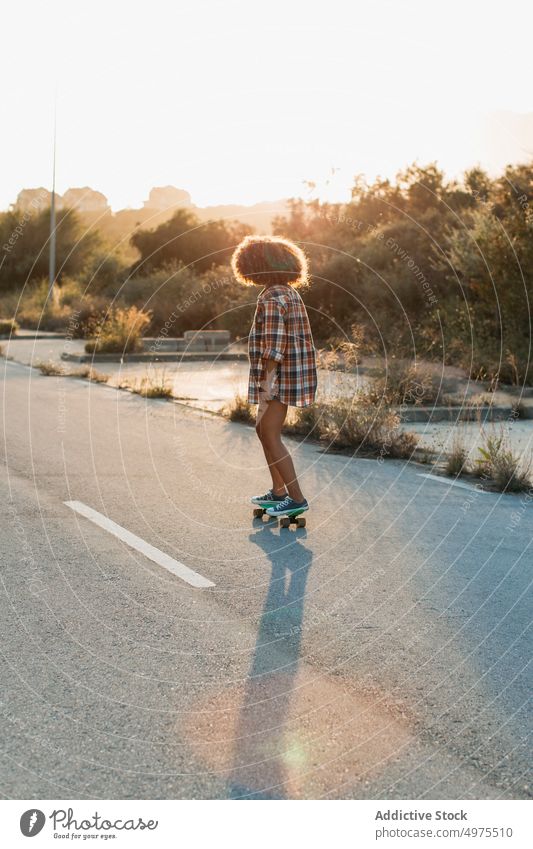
{"x": 270, "y": 418}
{"x": 278, "y": 484}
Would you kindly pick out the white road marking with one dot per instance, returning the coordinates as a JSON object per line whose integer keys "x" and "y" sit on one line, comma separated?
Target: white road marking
{"x": 159, "y": 557}
{"x": 449, "y": 482}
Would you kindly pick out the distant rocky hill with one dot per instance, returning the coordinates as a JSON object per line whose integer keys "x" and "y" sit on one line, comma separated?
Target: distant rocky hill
{"x": 162, "y": 201}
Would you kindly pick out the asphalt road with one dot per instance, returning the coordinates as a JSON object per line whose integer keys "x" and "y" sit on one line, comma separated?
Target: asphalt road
{"x": 380, "y": 653}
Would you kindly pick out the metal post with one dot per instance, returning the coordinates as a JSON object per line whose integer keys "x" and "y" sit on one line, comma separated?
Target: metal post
{"x": 52, "y": 254}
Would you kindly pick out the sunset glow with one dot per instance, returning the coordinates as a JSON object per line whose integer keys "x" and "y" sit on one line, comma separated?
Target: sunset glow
{"x": 242, "y": 102}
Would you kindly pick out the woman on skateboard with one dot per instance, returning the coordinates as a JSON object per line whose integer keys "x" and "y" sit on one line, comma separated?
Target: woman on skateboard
{"x": 282, "y": 358}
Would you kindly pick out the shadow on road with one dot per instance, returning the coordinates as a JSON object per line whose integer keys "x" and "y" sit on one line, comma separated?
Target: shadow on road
{"x": 287, "y": 729}
{"x": 264, "y": 751}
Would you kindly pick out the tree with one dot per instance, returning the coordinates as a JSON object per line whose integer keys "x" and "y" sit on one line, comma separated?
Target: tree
{"x": 185, "y": 239}
{"x": 24, "y": 241}
{"x": 488, "y": 318}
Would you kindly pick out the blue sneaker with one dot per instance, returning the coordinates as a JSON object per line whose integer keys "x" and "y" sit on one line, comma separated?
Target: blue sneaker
{"x": 288, "y": 507}
{"x": 269, "y": 499}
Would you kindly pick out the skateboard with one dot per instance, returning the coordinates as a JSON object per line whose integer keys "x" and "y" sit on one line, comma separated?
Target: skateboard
{"x": 285, "y": 521}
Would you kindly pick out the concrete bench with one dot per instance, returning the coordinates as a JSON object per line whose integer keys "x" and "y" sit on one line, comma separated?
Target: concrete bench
{"x": 192, "y": 340}
{"x": 206, "y": 340}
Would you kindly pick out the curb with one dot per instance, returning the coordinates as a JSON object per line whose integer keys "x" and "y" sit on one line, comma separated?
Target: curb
{"x": 174, "y": 357}
{"x": 434, "y": 415}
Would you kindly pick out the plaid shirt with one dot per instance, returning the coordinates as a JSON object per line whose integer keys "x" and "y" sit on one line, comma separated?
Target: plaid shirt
{"x": 281, "y": 332}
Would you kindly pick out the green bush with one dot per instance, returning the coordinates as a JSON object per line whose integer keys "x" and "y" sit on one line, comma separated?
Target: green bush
{"x": 181, "y": 299}
{"x": 8, "y": 327}
{"x": 68, "y": 310}
{"x": 506, "y": 468}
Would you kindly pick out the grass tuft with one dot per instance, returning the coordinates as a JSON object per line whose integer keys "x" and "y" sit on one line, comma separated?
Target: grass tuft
{"x": 507, "y": 469}
{"x": 457, "y": 459}
{"x": 90, "y": 373}
{"x": 154, "y": 385}
{"x": 240, "y": 410}
{"x": 406, "y": 383}
{"x": 51, "y": 368}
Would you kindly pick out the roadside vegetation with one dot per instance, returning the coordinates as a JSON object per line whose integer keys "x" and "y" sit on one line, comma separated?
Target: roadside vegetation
{"x": 8, "y": 327}
{"x": 457, "y": 459}
{"x": 239, "y": 410}
{"x": 362, "y": 422}
{"x": 401, "y": 382}
{"x": 411, "y": 270}
{"x": 52, "y": 368}
{"x": 118, "y": 331}
{"x": 358, "y": 422}
{"x": 417, "y": 269}
{"x": 495, "y": 462}
{"x": 344, "y": 423}
{"x": 509, "y": 471}
{"x": 153, "y": 385}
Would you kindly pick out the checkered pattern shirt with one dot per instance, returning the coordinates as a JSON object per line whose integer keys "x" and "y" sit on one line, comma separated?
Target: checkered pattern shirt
{"x": 281, "y": 332}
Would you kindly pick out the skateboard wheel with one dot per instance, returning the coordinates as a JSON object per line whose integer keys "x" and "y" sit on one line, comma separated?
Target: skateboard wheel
{"x": 285, "y": 522}
{"x": 300, "y": 523}
{"x": 258, "y": 512}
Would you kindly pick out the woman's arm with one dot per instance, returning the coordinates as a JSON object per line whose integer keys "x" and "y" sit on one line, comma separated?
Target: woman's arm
{"x": 273, "y": 344}
{"x": 269, "y": 384}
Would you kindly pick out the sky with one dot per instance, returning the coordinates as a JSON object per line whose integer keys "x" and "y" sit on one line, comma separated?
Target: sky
{"x": 241, "y": 101}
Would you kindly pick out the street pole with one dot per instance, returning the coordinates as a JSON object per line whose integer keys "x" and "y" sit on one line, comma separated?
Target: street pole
{"x": 52, "y": 254}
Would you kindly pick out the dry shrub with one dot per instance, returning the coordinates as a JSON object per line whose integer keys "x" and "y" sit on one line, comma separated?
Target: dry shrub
{"x": 358, "y": 422}
{"x": 89, "y": 373}
{"x": 343, "y": 355}
{"x": 58, "y": 369}
{"x": 457, "y": 459}
{"x": 327, "y": 359}
{"x": 154, "y": 385}
{"x": 352, "y": 422}
{"x": 306, "y": 421}
{"x": 119, "y": 331}
{"x": 403, "y": 382}
{"x": 51, "y": 368}
{"x": 343, "y": 423}
{"x": 240, "y": 410}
